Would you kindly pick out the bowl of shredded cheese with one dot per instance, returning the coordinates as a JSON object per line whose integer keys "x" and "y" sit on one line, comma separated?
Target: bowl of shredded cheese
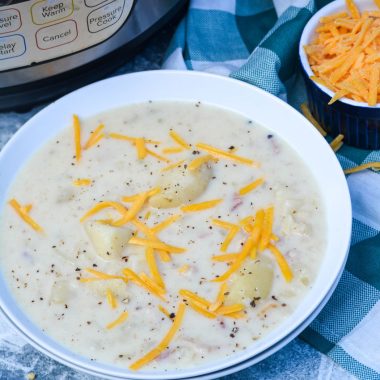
{"x": 340, "y": 56}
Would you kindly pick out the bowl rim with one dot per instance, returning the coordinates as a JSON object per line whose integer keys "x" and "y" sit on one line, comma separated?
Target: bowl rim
{"x": 308, "y": 31}
{"x": 171, "y": 80}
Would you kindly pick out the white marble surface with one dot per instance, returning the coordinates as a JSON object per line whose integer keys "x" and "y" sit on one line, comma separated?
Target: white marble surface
{"x": 297, "y": 361}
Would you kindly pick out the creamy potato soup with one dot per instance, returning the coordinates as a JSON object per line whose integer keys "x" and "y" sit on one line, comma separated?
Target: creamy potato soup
{"x": 162, "y": 235}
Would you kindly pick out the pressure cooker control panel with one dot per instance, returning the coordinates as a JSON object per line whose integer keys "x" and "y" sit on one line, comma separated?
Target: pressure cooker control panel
{"x": 38, "y": 30}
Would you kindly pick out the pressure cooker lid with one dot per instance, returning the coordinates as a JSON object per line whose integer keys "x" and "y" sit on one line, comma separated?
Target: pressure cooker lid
{"x": 35, "y": 31}
{"x": 50, "y": 47}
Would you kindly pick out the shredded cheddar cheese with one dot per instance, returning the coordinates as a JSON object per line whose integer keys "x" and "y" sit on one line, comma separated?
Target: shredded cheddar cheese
{"x": 111, "y": 299}
{"x": 359, "y": 168}
{"x": 155, "y": 155}
{"x": 156, "y": 245}
{"x": 212, "y": 309}
{"x": 179, "y": 140}
{"x": 82, "y": 182}
{"x": 306, "y": 112}
{"x": 141, "y": 149}
{"x": 103, "y": 276}
{"x": 199, "y": 161}
{"x": 118, "y": 136}
{"x": 282, "y": 263}
{"x": 256, "y": 232}
{"x": 118, "y": 321}
{"x": 233, "y": 230}
{"x": 338, "y": 95}
{"x": 224, "y": 224}
{"x": 152, "y": 264}
{"x": 237, "y": 315}
{"x": 230, "y": 236}
{"x": 151, "y": 234}
{"x": 274, "y": 237}
{"x": 92, "y": 279}
{"x": 219, "y": 153}
{"x": 251, "y": 246}
{"x": 164, "y": 311}
{"x": 144, "y": 229}
{"x": 164, "y": 256}
{"x": 229, "y": 257}
{"x": 173, "y": 166}
{"x": 149, "y": 193}
{"x": 173, "y": 150}
{"x": 95, "y": 137}
{"x": 138, "y": 203}
{"x": 101, "y": 206}
{"x": 136, "y": 207}
{"x": 201, "y": 206}
{"x": 27, "y": 208}
{"x": 151, "y": 355}
{"x": 237, "y": 263}
{"x": 77, "y": 142}
{"x": 155, "y": 289}
{"x": 187, "y": 294}
{"x": 139, "y": 142}
{"x": 343, "y": 55}
{"x": 201, "y": 309}
{"x": 23, "y": 214}
{"x": 251, "y": 186}
{"x": 267, "y": 228}
{"x": 220, "y": 298}
{"x": 353, "y": 9}
{"x": 166, "y": 223}
{"x": 94, "y": 141}
{"x": 225, "y": 310}
{"x": 150, "y": 283}
{"x": 263, "y": 222}
{"x": 337, "y": 143}
{"x": 184, "y": 268}
{"x": 247, "y": 223}
{"x": 374, "y": 76}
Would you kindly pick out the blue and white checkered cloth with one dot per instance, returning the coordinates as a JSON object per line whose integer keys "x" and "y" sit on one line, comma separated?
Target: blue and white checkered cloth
{"x": 257, "y": 41}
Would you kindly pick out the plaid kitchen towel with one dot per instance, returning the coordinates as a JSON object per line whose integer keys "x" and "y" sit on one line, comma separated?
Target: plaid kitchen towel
{"x": 257, "y": 41}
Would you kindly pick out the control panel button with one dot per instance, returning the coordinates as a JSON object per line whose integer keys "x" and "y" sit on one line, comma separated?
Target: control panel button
{"x": 12, "y": 46}
{"x": 10, "y": 20}
{"x": 46, "y": 11}
{"x": 105, "y": 16}
{"x": 93, "y": 3}
{"x": 57, "y": 34}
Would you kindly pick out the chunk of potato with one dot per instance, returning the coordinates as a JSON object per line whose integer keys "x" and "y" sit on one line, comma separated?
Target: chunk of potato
{"x": 108, "y": 241}
{"x": 180, "y": 185}
{"x": 253, "y": 280}
{"x": 290, "y": 226}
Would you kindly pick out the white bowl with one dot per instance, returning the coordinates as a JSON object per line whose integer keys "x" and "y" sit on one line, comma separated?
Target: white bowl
{"x": 237, "y": 96}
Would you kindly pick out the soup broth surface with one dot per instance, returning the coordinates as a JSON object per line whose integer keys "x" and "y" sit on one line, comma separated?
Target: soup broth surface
{"x": 47, "y": 271}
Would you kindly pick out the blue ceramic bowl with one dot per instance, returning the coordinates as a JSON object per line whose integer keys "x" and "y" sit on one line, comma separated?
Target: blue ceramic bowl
{"x": 358, "y": 122}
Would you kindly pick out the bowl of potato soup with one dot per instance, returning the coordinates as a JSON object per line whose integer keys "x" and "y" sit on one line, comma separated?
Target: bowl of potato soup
{"x": 168, "y": 225}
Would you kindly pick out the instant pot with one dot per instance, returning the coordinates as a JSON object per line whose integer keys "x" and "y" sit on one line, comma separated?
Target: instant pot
{"x": 50, "y": 47}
